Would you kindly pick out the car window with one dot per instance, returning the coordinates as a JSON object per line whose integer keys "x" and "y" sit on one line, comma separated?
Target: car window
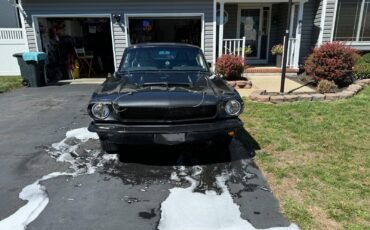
{"x": 163, "y": 58}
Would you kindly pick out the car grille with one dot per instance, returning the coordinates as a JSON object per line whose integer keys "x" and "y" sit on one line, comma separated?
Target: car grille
{"x": 168, "y": 114}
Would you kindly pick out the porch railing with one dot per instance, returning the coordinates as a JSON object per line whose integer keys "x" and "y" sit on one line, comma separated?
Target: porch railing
{"x": 237, "y": 47}
{"x": 292, "y": 42}
{"x": 11, "y": 35}
{"x": 234, "y": 46}
{"x": 12, "y": 40}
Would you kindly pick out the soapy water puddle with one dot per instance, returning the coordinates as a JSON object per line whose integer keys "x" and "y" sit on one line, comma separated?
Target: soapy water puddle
{"x": 195, "y": 188}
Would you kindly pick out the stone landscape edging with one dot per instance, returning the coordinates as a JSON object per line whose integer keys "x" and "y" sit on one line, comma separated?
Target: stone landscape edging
{"x": 241, "y": 84}
{"x": 350, "y": 91}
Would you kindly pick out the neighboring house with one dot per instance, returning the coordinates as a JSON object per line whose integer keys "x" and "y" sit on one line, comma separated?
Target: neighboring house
{"x": 9, "y": 17}
{"x": 113, "y": 25}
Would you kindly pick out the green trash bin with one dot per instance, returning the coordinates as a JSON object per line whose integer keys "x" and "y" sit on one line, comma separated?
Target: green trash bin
{"x": 32, "y": 66}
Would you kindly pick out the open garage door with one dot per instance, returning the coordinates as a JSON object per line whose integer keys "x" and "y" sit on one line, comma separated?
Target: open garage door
{"x": 76, "y": 46}
{"x": 186, "y": 29}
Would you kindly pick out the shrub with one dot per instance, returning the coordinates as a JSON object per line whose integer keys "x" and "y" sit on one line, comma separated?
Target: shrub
{"x": 230, "y": 66}
{"x": 362, "y": 67}
{"x": 364, "y": 59}
{"x": 361, "y": 71}
{"x": 326, "y": 86}
{"x": 277, "y": 49}
{"x": 333, "y": 62}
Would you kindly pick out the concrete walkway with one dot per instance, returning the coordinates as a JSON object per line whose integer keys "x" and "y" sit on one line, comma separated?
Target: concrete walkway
{"x": 272, "y": 84}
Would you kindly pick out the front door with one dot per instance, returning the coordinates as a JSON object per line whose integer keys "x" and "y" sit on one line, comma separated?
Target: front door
{"x": 250, "y": 24}
{"x": 254, "y": 26}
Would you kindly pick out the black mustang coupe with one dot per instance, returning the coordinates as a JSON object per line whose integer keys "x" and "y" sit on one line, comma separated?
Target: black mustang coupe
{"x": 164, "y": 94}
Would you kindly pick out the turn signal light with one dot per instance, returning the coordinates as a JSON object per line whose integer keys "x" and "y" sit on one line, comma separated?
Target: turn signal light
{"x": 231, "y": 133}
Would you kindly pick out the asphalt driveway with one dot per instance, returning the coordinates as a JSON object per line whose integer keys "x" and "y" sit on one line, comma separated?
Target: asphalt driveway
{"x": 148, "y": 188}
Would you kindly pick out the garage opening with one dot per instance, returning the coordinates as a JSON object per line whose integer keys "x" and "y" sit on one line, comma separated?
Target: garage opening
{"x": 166, "y": 29}
{"x": 76, "y": 47}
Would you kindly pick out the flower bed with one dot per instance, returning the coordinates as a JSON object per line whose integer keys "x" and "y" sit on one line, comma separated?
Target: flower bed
{"x": 350, "y": 91}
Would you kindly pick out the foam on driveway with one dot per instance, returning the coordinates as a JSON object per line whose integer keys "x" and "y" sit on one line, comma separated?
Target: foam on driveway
{"x": 194, "y": 207}
{"x": 185, "y": 209}
{"x": 36, "y": 195}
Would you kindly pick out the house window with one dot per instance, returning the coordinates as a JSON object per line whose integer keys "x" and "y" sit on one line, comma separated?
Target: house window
{"x": 353, "y": 21}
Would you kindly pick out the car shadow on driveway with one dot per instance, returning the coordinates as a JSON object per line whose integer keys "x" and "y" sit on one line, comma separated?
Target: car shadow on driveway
{"x": 147, "y": 165}
{"x": 242, "y": 147}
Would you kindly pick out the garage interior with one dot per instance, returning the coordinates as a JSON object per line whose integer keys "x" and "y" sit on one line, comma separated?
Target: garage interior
{"x": 76, "y": 47}
{"x": 166, "y": 29}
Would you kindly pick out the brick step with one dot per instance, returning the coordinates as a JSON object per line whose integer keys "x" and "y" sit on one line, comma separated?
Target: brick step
{"x": 265, "y": 70}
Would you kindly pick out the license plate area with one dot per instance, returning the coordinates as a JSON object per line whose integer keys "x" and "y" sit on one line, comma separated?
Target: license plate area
{"x": 170, "y": 138}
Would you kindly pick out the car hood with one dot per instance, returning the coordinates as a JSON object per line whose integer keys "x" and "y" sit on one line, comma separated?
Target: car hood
{"x": 145, "y": 90}
{"x": 165, "y": 99}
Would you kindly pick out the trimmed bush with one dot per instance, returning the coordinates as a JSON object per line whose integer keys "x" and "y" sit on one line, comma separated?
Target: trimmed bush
{"x": 364, "y": 59}
{"x": 362, "y": 68}
{"x": 326, "y": 86}
{"x": 230, "y": 66}
{"x": 333, "y": 62}
{"x": 361, "y": 71}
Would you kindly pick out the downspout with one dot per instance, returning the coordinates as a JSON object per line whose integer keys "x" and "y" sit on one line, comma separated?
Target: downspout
{"x": 18, "y": 5}
{"x": 19, "y": 23}
{"x": 23, "y": 16}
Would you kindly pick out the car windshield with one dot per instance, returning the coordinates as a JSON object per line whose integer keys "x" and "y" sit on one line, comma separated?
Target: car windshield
{"x": 163, "y": 58}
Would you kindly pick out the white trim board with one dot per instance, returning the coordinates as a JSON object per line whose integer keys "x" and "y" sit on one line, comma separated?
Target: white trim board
{"x": 214, "y": 45}
{"x": 35, "y": 26}
{"x": 164, "y": 15}
{"x": 322, "y": 21}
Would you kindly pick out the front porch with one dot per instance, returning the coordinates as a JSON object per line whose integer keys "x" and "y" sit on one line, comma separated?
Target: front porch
{"x": 259, "y": 26}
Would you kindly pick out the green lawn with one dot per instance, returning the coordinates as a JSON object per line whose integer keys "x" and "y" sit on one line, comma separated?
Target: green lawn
{"x": 316, "y": 156}
{"x": 9, "y": 83}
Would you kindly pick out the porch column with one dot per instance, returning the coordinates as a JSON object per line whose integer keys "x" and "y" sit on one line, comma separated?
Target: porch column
{"x": 292, "y": 21}
{"x": 221, "y": 29}
{"x": 298, "y": 34}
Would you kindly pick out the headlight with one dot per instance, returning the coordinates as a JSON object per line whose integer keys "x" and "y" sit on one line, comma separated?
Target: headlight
{"x": 100, "y": 111}
{"x": 233, "y": 108}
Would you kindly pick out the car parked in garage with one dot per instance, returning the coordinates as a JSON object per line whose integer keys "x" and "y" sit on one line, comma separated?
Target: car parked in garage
{"x": 164, "y": 94}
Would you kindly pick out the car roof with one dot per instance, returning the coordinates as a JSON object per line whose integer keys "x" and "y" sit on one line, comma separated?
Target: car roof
{"x": 163, "y": 44}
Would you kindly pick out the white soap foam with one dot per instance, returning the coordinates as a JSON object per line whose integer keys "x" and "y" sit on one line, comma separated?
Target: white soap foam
{"x": 188, "y": 210}
{"x": 36, "y": 194}
{"x": 37, "y": 198}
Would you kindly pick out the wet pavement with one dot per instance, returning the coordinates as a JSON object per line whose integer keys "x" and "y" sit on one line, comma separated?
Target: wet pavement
{"x": 111, "y": 191}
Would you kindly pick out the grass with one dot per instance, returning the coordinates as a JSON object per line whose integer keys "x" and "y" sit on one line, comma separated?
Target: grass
{"x": 316, "y": 156}
{"x": 9, "y": 83}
